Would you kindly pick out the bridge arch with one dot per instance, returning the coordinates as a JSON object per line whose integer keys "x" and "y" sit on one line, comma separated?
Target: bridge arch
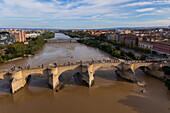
{"x": 104, "y": 65}
{"x": 70, "y": 77}
{"x": 19, "y": 78}
{"x": 166, "y": 69}
{"x": 64, "y": 74}
{"x": 136, "y": 66}
{"x": 95, "y": 67}
{"x": 54, "y": 74}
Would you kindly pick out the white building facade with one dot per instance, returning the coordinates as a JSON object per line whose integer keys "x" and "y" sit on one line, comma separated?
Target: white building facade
{"x": 144, "y": 44}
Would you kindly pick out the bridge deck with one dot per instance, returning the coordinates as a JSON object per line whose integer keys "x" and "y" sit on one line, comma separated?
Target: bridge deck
{"x": 60, "y": 65}
{"x": 54, "y": 65}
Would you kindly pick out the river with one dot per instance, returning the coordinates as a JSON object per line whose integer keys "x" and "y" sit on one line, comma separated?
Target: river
{"x": 110, "y": 94}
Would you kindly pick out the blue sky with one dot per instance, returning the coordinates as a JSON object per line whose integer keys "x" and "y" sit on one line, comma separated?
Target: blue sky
{"x": 84, "y": 13}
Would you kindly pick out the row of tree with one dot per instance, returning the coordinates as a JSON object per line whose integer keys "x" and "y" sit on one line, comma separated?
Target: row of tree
{"x": 110, "y": 44}
{"x": 109, "y": 48}
{"x": 102, "y": 37}
{"x": 79, "y": 34}
{"x": 136, "y": 48}
{"x": 48, "y": 35}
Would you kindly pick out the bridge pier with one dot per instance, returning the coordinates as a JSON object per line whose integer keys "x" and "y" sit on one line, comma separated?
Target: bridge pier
{"x": 53, "y": 78}
{"x": 87, "y": 75}
{"x": 122, "y": 71}
{"x": 53, "y": 81}
{"x": 155, "y": 71}
{"x": 17, "y": 84}
{"x": 17, "y": 81}
{"x": 91, "y": 75}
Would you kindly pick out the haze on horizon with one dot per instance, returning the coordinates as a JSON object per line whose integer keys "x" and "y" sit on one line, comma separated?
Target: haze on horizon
{"x": 77, "y": 14}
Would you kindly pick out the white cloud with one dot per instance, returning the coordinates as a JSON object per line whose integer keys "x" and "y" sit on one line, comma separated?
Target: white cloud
{"x": 57, "y": 2}
{"x": 160, "y": 12}
{"x": 137, "y": 4}
{"x": 49, "y": 12}
{"x": 56, "y": 9}
{"x": 152, "y": 23}
{"x": 161, "y": 2}
{"x": 145, "y": 9}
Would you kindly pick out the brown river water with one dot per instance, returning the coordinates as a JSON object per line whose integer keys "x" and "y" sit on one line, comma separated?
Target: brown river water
{"x": 110, "y": 94}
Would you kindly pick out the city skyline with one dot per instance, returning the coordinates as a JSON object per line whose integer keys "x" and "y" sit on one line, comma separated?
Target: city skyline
{"x": 83, "y": 14}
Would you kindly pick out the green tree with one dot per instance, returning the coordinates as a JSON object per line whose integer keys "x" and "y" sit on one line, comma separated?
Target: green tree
{"x": 131, "y": 55}
{"x": 154, "y": 52}
{"x": 1, "y": 60}
{"x": 143, "y": 57}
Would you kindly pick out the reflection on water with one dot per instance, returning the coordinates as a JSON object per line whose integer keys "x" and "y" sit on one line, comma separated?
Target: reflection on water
{"x": 110, "y": 94}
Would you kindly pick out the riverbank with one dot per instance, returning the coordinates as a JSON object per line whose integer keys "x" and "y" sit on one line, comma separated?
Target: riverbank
{"x": 19, "y": 58}
{"x": 111, "y": 49}
{"x": 104, "y": 47}
{"x": 18, "y": 50}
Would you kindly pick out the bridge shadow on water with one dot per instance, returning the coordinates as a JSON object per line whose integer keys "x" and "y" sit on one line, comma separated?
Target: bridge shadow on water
{"x": 37, "y": 81}
{"x": 4, "y": 87}
{"x": 109, "y": 75}
{"x": 106, "y": 74}
{"x": 69, "y": 78}
{"x": 106, "y": 77}
{"x": 103, "y": 75}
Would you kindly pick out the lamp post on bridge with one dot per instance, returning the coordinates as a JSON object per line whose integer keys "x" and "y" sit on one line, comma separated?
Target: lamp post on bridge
{"x": 28, "y": 66}
{"x": 125, "y": 59}
{"x": 69, "y": 63}
{"x": 146, "y": 59}
{"x": 92, "y": 61}
{"x": 55, "y": 64}
{"x": 81, "y": 62}
{"x": 138, "y": 59}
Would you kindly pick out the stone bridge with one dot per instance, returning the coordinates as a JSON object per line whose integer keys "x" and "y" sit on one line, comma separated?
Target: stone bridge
{"x": 18, "y": 78}
{"x": 69, "y": 40}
